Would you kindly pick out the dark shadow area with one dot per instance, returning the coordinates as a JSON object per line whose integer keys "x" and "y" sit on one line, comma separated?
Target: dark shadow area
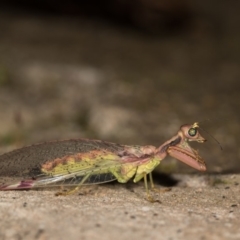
{"x": 152, "y": 17}
{"x": 166, "y": 180}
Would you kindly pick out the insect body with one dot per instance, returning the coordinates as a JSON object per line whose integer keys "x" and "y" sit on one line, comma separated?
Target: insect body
{"x": 82, "y": 161}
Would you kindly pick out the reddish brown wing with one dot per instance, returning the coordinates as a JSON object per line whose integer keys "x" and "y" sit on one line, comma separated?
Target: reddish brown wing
{"x": 67, "y": 162}
{"x": 26, "y": 162}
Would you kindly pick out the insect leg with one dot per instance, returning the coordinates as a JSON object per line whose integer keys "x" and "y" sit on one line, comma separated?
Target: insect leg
{"x": 151, "y": 180}
{"x": 153, "y": 188}
{"x": 146, "y": 183}
{"x": 74, "y": 189}
{"x": 149, "y": 196}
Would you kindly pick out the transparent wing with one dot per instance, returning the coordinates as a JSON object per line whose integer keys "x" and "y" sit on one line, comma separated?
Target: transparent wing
{"x": 95, "y": 175}
{"x": 64, "y": 163}
{"x": 100, "y": 172}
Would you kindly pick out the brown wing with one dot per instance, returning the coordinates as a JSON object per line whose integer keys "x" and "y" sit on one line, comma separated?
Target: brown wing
{"x": 27, "y": 161}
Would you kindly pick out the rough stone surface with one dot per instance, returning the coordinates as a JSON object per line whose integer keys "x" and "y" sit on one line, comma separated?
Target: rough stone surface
{"x": 207, "y": 209}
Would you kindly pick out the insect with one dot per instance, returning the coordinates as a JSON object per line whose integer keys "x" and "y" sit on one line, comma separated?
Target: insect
{"x": 83, "y": 161}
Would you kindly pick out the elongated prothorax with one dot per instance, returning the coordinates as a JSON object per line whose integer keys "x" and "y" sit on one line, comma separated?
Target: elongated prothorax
{"x": 179, "y": 148}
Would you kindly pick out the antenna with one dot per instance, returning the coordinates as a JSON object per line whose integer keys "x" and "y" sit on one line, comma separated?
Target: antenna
{"x": 212, "y": 138}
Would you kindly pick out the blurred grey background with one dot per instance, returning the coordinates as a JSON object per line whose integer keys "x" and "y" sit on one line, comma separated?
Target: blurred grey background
{"x": 130, "y": 72}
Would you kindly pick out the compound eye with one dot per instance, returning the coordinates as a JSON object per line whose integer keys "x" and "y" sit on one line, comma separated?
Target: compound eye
{"x": 192, "y": 132}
